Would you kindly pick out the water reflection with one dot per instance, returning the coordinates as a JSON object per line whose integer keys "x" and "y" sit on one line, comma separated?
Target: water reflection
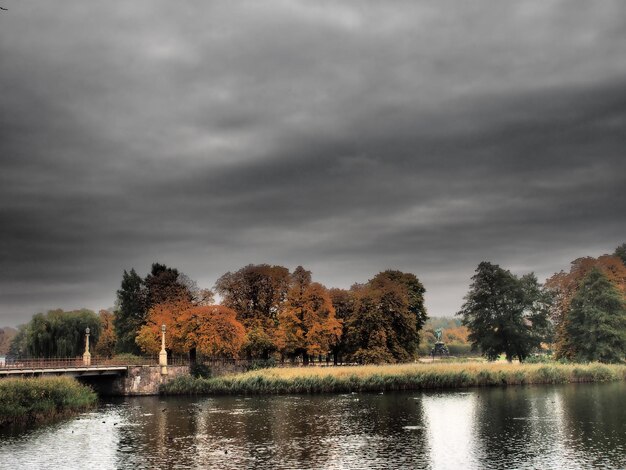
{"x": 516, "y": 427}
{"x": 449, "y": 419}
{"x": 596, "y": 424}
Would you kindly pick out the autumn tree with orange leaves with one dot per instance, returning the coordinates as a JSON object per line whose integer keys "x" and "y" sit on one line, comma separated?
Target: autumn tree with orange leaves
{"x": 307, "y": 323}
{"x": 105, "y": 346}
{"x": 211, "y": 330}
{"x": 564, "y": 286}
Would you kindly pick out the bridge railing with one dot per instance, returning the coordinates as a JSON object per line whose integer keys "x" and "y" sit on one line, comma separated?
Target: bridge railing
{"x": 125, "y": 360}
{"x": 41, "y": 363}
{"x": 96, "y": 361}
{"x": 149, "y": 360}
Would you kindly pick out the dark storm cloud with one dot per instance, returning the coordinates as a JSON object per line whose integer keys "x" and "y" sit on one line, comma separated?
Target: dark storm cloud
{"x": 346, "y": 137}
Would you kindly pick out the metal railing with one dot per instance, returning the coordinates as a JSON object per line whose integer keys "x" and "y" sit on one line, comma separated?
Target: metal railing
{"x": 41, "y": 363}
{"x": 96, "y": 361}
{"x": 25, "y": 363}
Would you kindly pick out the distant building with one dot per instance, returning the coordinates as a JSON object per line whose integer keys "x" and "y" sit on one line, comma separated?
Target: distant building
{"x": 3, "y": 361}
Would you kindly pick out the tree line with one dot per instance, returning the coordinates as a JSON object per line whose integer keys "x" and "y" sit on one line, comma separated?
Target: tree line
{"x": 580, "y": 314}
{"x": 268, "y": 312}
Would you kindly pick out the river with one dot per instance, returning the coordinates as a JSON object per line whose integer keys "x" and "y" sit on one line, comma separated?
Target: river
{"x": 534, "y": 427}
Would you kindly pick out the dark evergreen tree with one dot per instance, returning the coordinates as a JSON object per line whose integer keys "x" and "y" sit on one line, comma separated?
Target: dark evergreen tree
{"x": 137, "y": 296}
{"x": 620, "y": 252}
{"x": 505, "y": 314}
{"x": 165, "y": 284}
{"x": 130, "y": 314}
{"x": 597, "y": 320}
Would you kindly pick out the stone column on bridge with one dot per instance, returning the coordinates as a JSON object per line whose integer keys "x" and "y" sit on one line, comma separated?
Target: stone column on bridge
{"x": 163, "y": 353}
{"x": 87, "y": 354}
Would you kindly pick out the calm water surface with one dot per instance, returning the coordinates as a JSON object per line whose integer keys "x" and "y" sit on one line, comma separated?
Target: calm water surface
{"x": 542, "y": 427}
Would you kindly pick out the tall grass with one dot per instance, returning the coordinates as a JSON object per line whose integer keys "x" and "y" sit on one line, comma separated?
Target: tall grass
{"x": 392, "y": 377}
{"x": 25, "y": 401}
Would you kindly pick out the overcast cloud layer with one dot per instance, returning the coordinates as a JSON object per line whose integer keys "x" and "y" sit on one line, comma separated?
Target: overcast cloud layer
{"x": 347, "y": 137}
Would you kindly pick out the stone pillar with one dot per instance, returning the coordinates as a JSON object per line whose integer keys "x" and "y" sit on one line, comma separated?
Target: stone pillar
{"x": 163, "y": 353}
{"x": 87, "y": 354}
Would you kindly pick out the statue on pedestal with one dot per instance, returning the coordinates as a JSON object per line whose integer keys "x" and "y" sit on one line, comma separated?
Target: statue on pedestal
{"x": 440, "y": 347}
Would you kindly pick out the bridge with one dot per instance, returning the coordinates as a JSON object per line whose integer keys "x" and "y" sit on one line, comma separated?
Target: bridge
{"x": 124, "y": 376}
{"x": 72, "y": 371}
{"x": 105, "y": 375}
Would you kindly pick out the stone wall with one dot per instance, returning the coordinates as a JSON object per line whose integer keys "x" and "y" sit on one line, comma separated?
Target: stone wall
{"x": 145, "y": 380}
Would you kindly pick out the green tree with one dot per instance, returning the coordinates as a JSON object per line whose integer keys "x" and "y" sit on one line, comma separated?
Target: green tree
{"x": 137, "y": 296}
{"x": 130, "y": 314}
{"x": 415, "y": 294}
{"x": 597, "y": 320}
{"x": 563, "y": 287}
{"x": 387, "y": 318}
{"x": 19, "y": 343}
{"x": 164, "y": 284}
{"x": 620, "y": 252}
{"x": 505, "y": 314}
{"x": 56, "y": 334}
{"x": 344, "y": 303}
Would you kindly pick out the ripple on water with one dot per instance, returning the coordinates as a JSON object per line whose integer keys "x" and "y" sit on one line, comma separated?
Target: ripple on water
{"x": 532, "y": 427}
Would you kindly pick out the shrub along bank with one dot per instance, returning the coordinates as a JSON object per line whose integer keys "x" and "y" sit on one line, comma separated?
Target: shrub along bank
{"x": 26, "y": 401}
{"x": 392, "y": 377}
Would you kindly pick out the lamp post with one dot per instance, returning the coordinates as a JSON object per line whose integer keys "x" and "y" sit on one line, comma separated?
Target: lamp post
{"x": 163, "y": 353}
{"x": 87, "y": 354}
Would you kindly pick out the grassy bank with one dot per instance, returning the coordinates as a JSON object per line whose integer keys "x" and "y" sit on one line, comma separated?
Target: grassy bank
{"x": 392, "y": 377}
{"x": 26, "y": 401}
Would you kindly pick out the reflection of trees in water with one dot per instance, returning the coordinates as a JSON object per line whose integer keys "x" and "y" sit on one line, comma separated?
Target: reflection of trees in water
{"x": 158, "y": 433}
{"x": 271, "y": 432}
{"x": 594, "y": 417}
{"x": 577, "y": 426}
{"x": 383, "y": 430}
{"x": 563, "y": 426}
{"x": 514, "y": 424}
{"x": 315, "y": 430}
{"x": 482, "y": 428}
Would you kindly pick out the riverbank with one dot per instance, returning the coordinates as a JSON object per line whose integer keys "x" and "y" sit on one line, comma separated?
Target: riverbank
{"x": 36, "y": 400}
{"x": 392, "y": 377}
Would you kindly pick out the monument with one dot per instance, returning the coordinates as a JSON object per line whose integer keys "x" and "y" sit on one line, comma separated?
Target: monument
{"x": 440, "y": 348}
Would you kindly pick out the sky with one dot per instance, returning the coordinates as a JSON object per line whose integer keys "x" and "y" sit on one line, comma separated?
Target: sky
{"x": 348, "y": 137}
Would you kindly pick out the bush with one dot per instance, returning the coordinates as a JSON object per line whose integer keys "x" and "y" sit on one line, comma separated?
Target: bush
{"x": 257, "y": 364}
{"x": 539, "y": 359}
{"x": 24, "y": 401}
{"x": 460, "y": 349}
{"x": 200, "y": 370}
